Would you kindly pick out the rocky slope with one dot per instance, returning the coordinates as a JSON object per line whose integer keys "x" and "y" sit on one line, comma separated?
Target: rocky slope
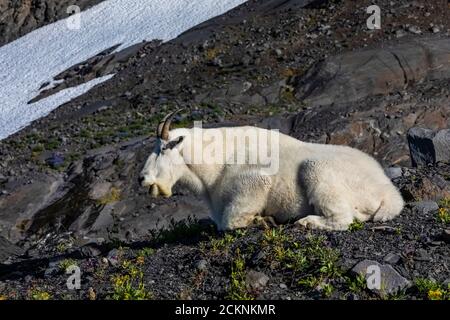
{"x": 68, "y": 183}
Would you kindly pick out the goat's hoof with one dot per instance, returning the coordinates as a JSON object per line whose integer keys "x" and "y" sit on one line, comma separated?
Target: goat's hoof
{"x": 308, "y": 223}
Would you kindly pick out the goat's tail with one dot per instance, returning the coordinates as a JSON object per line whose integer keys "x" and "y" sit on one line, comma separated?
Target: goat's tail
{"x": 391, "y": 204}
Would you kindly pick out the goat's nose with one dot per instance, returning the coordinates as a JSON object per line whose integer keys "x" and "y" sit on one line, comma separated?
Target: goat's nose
{"x": 141, "y": 179}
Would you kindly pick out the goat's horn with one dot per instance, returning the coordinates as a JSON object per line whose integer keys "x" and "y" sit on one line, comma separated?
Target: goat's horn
{"x": 161, "y": 125}
{"x": 166, "y": 125}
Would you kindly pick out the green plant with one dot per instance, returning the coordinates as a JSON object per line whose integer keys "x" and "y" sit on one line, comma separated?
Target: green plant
{"x": 431, "y": 289}
{"x": 356, "y": 225}
{"x": 357, "y": 284}
{"x": 61, "y": 247}
{"x": 220, "y": 244}
{"x": 38, "y": 294}
{"x": 130, "y": 284}
{"x": 146, "y": 252}
{"x": 327, "y": 290}
{"x": 238, "y": 286}
{"x": 275, "y": 236}
{"x": 444, "y": 210}
{"x": 324, "y": 257}
{"x": 309, "y": 281}
{"x": 66, "y": 263}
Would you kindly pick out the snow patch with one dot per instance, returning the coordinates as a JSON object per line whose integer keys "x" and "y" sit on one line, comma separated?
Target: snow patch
{"x": 29, "y": 62}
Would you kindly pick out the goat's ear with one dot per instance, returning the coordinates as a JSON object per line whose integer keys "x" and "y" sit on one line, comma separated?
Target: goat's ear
{"x": 174, "y": 143}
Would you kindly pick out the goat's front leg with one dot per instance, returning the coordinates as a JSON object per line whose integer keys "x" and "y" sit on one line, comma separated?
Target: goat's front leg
{"x": 233, "y": 219}
{"x": 267, "y": 222}
{"x": 248, "y": 198}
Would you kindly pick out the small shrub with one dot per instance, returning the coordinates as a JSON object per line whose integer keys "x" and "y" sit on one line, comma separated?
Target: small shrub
{"x": 431, "y": 289}
{"x": 130, "y": 284}
{"x": 40, "y": 295}
{"x": 444, "y": 211}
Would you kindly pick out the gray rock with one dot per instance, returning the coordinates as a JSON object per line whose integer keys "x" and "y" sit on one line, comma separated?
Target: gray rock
{"x": 258, "y": 257}
{"x": 435, "y": 29}
{"x": 441, "y": 143}
{"x": 352, "y": 296}
{"x": 113, "y": 257}
{"x": 428, "y": 147}
{"x": 55, "y": 161}
{"x": 392, "y": 258}
{"x": 421, "y": 147}
{"x": 201, "y": 265}
{"x": 8, "y": 250}
{"x": 446, "y": 282}
{"x": 387, "y": 229}
{"x": 425, "y": 207}
{"x": 89, "y": 251}
{"x": 256, "y": 280}
{"x": 446, "y": 235}
{"x": 3, "y": 178}
{"x": 422, "y": 255}
{"x": 393, "y": 172}
{"x": 390, "y": 280}
{"x": 53, "y": 268}
{"x": 415, "y": 30}
{"x": 99, "y": 190}
{"x": 283, "y": 124}
{"x": 400, "y": 33}
{"x": 355, "y": 75}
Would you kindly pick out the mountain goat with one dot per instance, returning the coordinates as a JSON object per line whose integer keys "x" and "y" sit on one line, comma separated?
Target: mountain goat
{"x": 316, "y": 185}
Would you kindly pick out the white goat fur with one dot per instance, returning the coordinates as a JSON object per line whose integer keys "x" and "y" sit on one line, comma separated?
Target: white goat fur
{"x": 318, "y": 186}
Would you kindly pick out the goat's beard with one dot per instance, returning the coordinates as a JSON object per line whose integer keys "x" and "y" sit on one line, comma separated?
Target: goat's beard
{"x": 156, "y": 191}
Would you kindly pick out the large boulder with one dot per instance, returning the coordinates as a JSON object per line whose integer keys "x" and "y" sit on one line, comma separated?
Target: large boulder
{"x": 428, "y": 147}
{"x": 352, "y": 76}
